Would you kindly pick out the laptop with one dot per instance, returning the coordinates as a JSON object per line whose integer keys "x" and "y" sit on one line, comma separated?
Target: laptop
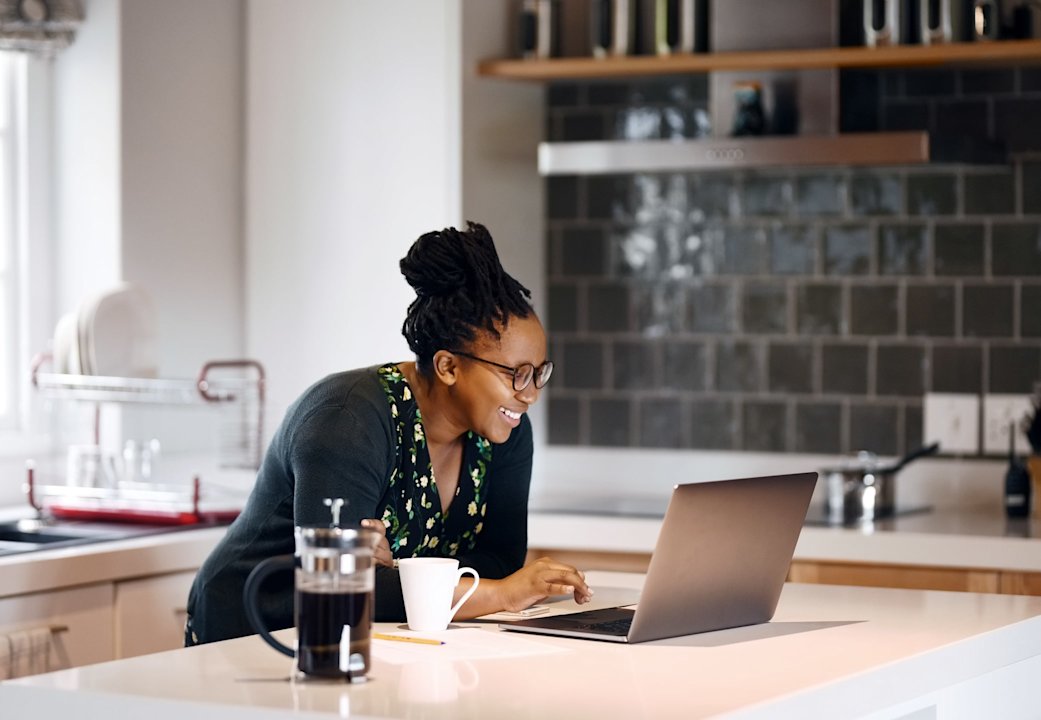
{"x": 721, "y": 560}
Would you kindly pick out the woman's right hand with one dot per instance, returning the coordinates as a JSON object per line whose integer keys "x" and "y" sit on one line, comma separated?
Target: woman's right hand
{"x": 381, "y": 553}
{"x": 539, "y": 580}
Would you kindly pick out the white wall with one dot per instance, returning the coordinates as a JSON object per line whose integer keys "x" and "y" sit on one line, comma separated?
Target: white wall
{"x": 147, "y": 170}
{"x": 181, "y": 161}
{"x": 87, "y": 153}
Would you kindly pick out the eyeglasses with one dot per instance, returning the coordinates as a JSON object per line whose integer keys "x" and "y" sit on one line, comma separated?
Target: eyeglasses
{"x": 522, "y": 374}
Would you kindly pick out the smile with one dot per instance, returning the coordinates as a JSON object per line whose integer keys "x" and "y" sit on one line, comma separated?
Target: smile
{"x": 510, "y": 414}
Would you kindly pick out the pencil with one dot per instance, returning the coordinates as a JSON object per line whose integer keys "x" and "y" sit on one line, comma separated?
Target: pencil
{"x": 405, "y": 638}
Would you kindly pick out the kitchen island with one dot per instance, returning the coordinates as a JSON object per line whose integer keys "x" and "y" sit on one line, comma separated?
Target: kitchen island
{"x": 829, "y": 652}
{"x": 122, "y": 598}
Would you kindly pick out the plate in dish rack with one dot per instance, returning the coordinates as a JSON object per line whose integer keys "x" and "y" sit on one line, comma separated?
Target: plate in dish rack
{"x": 66, "y": 345}
{"x": 117, "y": 332}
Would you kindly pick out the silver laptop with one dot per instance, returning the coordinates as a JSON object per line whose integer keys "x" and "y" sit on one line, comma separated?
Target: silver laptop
{"x": 721, "y": 561}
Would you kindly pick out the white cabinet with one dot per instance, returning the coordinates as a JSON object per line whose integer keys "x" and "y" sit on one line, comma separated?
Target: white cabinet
{"x": 84, "y": 612}
{"x": 149, "y": 613}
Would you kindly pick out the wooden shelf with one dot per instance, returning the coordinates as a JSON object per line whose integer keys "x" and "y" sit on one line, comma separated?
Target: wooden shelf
{"x": 1004, "y": 51}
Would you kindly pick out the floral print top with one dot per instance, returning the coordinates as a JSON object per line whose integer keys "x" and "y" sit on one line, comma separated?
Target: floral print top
{"x": 412, "y": 514}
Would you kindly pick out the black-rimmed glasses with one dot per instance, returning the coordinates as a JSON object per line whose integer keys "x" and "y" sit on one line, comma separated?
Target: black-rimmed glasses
{"x": 522, "y": 374}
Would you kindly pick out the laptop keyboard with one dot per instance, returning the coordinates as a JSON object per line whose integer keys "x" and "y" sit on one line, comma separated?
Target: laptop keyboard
{"x": 612, "y": 622}
{"x": 609, "y": 627}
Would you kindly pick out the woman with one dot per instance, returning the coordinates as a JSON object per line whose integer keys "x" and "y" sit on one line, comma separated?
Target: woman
{"x": 437, "y": 452}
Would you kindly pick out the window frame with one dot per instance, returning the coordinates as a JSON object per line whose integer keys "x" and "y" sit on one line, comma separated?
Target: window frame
{"x": 23, "y": 431}
{"x": 9, "y": 276}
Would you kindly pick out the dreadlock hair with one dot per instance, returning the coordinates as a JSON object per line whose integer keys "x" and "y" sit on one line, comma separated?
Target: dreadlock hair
{"x": 461, "y": 288}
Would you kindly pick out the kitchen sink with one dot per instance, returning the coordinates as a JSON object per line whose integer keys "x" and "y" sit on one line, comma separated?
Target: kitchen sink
{"x": 37, "y": 538}
{"x": 18, "y": 536}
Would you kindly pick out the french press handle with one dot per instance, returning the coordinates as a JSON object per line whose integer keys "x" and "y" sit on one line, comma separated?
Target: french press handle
{"x": 249, "y": 597}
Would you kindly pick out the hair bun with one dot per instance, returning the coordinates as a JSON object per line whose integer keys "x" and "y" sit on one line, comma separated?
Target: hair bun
{"x": 461, "y": 290}
{"x": 439, "y": 263}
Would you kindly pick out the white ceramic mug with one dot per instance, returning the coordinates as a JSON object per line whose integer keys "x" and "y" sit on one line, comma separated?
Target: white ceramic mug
{"x": 428, "y": 584}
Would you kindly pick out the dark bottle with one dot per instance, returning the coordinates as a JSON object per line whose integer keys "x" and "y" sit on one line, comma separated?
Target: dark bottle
{"x": 749, "y": 116}
{"x": 1017, "y": 481}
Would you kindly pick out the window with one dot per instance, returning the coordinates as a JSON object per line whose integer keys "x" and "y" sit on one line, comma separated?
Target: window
{"x": 9, "y": 285}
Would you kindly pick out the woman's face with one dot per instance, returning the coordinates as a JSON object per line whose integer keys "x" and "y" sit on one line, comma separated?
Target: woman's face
{"x": 486, "y": 399}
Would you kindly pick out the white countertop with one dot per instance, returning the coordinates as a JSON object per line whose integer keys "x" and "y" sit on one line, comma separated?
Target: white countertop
{"x": 829, "y": 652}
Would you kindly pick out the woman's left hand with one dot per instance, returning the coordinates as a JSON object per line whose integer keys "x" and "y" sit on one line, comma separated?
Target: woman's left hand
{"x": 382, "y": 552}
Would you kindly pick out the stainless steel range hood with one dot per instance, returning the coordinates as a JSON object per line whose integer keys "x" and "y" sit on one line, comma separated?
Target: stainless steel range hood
{"x": 597, "y": 158}
{"x": 809, "y": 97}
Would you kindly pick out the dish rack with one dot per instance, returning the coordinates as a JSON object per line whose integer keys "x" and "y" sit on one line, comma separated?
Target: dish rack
{"x": 236, "y": 387}
{"x": 137, "y": 503}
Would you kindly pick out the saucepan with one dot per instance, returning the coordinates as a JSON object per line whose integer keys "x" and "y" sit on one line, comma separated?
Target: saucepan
{"x": 862, "y": 487}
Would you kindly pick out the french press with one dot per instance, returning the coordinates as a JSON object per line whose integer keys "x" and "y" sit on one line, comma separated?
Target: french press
{"x": 334, "y": 581}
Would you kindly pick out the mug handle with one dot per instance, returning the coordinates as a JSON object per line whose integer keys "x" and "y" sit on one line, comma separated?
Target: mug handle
{"x": 468, "y": 593}
{"x": 249, "y": 597}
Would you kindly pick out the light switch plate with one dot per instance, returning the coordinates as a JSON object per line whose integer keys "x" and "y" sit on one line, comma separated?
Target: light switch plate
{"x": 999, "y": 411}
{"x": 953, "y": 420}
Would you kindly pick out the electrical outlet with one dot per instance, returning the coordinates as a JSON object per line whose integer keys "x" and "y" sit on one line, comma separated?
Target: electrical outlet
{"x": 953, "y": 420}
{"x": 999, "y": 411}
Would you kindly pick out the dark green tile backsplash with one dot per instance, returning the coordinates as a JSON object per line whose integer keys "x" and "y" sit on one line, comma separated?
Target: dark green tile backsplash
{"x": 804, "y": 310}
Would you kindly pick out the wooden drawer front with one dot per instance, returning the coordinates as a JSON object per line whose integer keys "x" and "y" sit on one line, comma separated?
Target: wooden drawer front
{"x": 894, "y": 576}
{"x": 831, "y": 573}
{"x": 1014, "y": 583}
